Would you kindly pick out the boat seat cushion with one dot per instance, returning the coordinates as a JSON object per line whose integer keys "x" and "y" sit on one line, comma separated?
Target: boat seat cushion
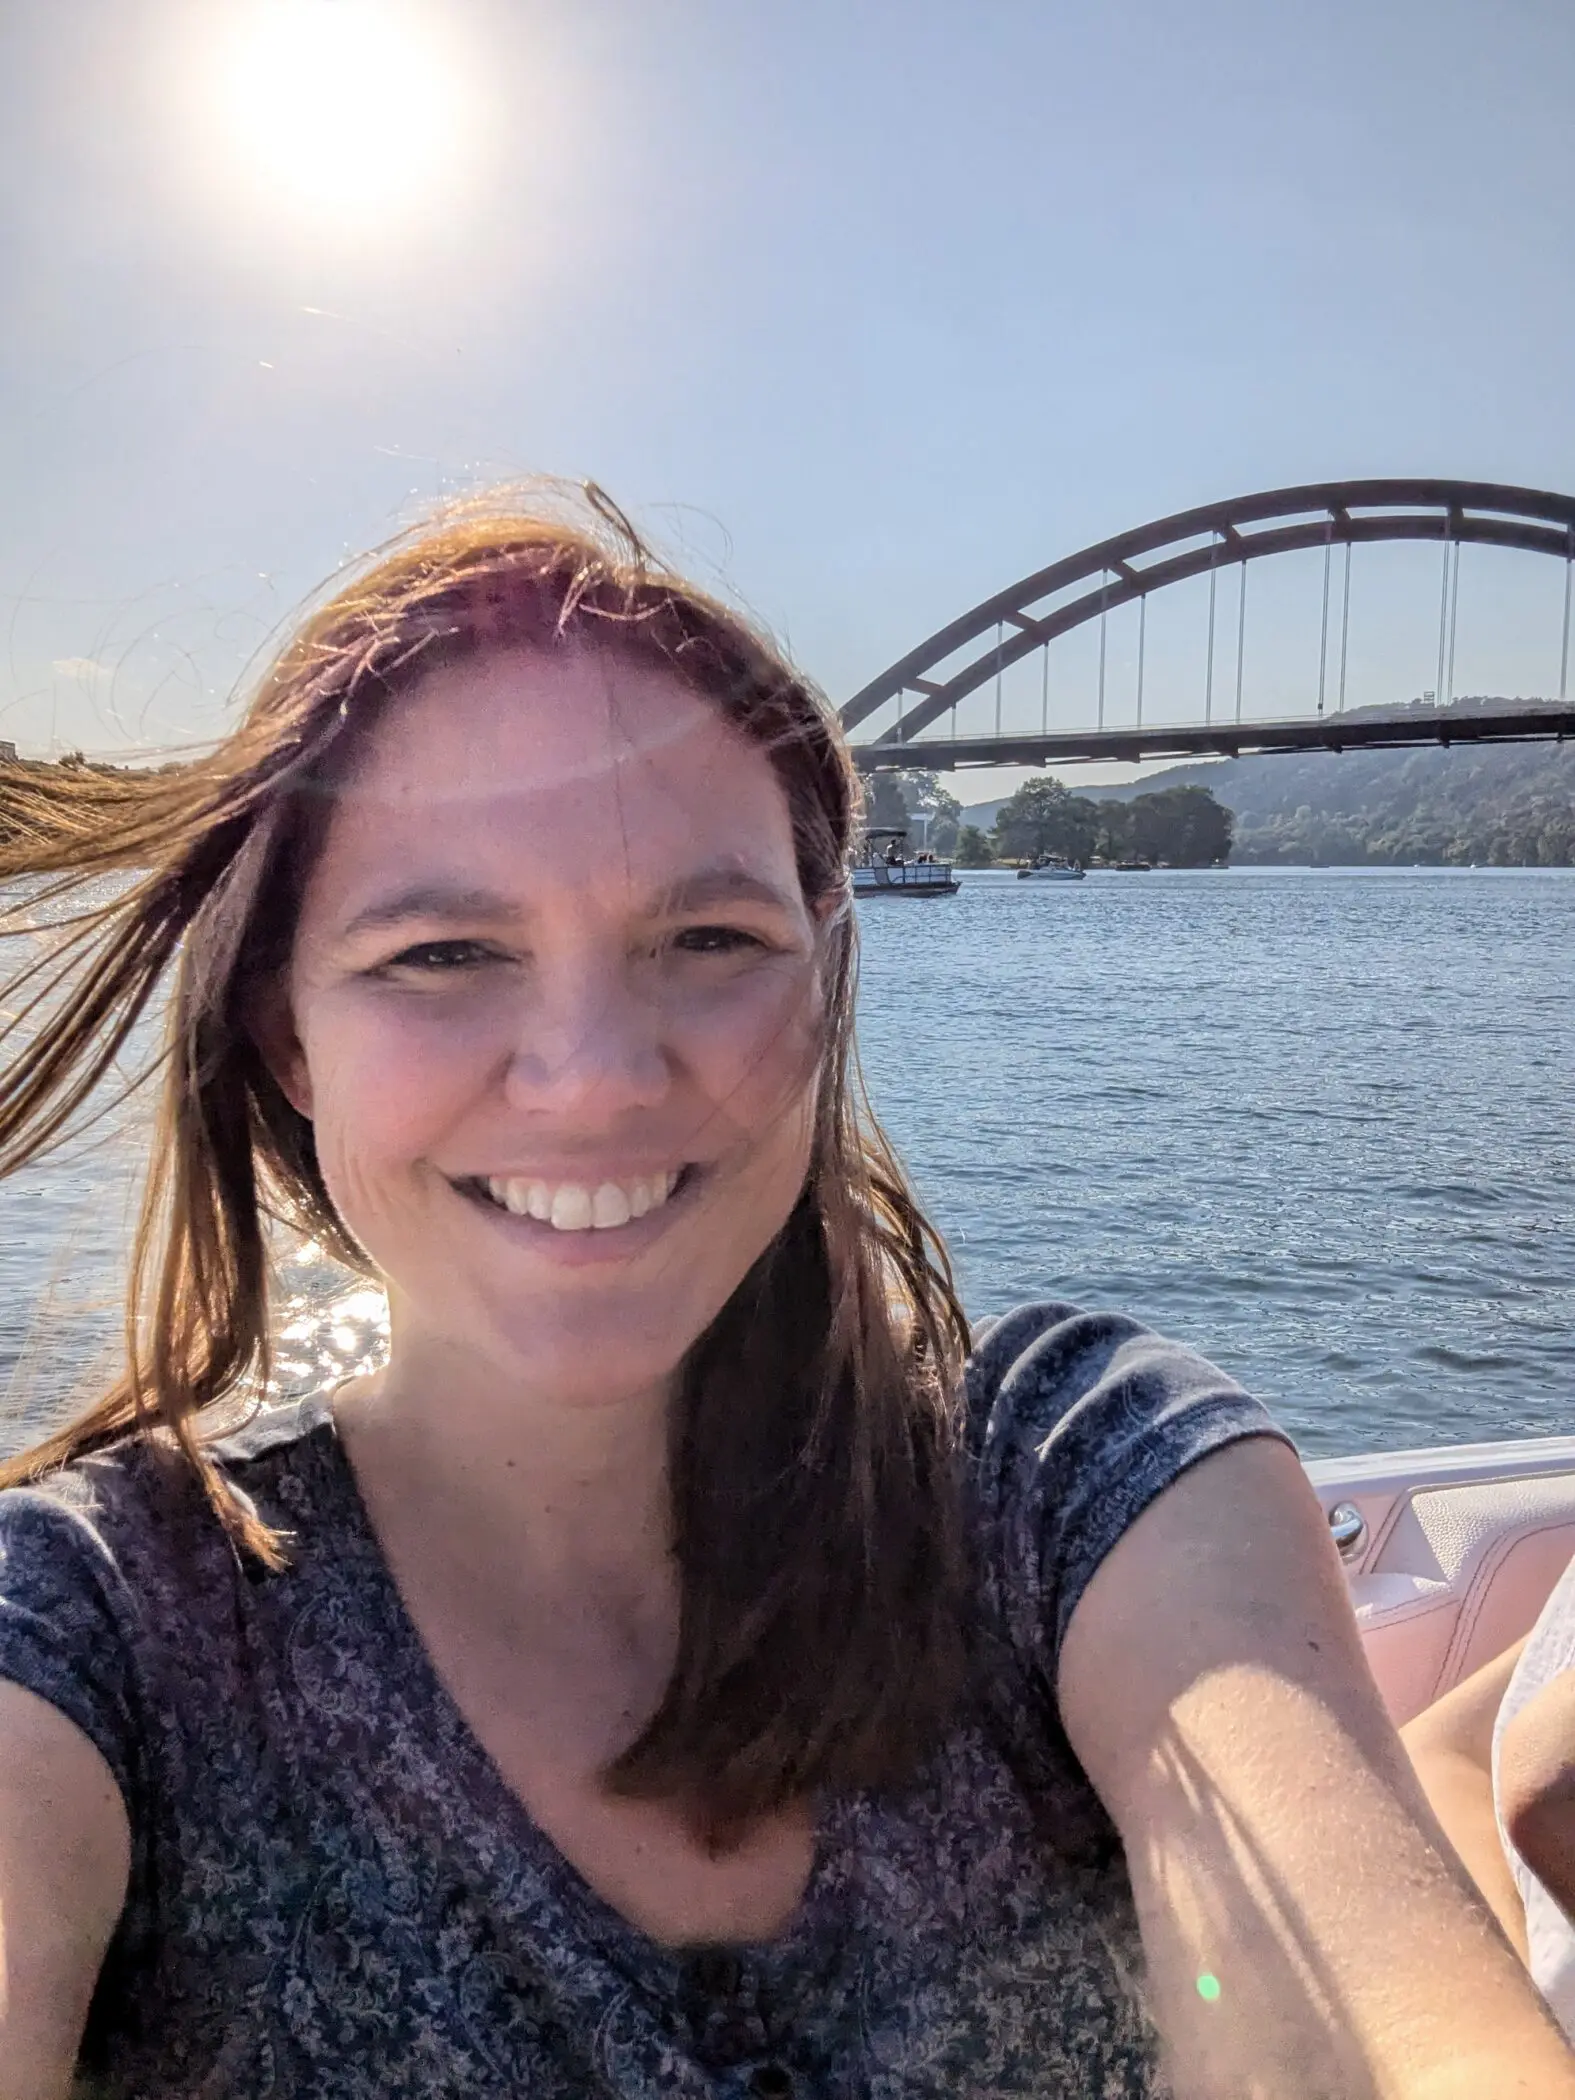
{"x": 1456, "y": 1575}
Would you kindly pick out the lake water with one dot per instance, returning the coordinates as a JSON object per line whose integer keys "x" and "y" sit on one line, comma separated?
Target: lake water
{"x": 1316, "y": 1122}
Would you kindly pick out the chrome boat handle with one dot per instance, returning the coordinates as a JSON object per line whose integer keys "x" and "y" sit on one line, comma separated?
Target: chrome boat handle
{"x": 1348, "y": 1529}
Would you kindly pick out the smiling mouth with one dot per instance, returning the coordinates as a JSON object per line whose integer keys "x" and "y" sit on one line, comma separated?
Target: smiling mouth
{"x": 578, "y": 1206}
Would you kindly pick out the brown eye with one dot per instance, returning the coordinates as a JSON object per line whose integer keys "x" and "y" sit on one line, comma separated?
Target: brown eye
{"x": 716, "y": 940}
{"x": 439, "y": 957}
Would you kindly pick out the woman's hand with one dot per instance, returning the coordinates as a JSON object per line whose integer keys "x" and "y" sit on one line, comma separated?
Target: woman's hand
{"x": 1309, "y": 1935}
{"x": 65, "y": 1853}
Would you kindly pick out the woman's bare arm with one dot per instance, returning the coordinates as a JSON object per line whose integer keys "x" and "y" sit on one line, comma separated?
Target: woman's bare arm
{"x": 1537, "y": 1781}
{"x": 1450, "y": 1745}
{"x": 1308, "y": 1932}
{"x": 65, "y": 1852}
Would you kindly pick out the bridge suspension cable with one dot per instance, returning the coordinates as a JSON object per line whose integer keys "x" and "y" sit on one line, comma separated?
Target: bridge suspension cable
{"x": 1323, "y": 625}
{"x": 1454, "y": 616}
{"x": 1208, "y": 675}
{"x": 1345, "y": 625}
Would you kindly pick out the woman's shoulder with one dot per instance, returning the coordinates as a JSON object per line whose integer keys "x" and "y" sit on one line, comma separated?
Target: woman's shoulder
{"x": 126, "y": 1538}
{"x": 143, "y": 1484}
{"x": 115, "y": 1569}
{"x": 1092, "y": 1388}
{"x": 1077, "y": 1419}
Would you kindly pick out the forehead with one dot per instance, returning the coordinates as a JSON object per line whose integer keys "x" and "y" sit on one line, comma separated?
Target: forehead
{"x": 567, "y": 767}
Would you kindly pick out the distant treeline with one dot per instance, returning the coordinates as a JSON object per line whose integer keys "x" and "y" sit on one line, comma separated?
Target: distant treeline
{"x": 1495, "y": 805}
{"x": 1178, "y": 827}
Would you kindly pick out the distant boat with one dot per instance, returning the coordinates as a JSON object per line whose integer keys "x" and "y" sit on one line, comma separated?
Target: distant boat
{"x": 1051, "y": 867}
{"x": 1133, "y": 867}
{"x": 884, "y": 870}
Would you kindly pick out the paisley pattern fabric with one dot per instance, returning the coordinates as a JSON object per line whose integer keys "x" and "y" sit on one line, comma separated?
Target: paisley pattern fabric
{"x": 334, "y": 1895}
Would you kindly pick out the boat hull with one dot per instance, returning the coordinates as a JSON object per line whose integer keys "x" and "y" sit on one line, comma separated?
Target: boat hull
{"x": 904, "y": 882}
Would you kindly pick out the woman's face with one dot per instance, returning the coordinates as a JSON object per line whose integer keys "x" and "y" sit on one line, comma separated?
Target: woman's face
{"x": 555, "y": 1015}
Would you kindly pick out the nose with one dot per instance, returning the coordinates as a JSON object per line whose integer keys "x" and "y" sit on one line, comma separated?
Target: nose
{"x": 590, "y": 1049}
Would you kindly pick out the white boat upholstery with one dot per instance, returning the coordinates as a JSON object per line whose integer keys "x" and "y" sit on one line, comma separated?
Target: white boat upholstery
{"x": 1461, "y": 1550}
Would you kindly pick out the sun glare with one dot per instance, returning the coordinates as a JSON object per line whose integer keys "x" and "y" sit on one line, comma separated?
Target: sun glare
{"x": 350, "y": 110}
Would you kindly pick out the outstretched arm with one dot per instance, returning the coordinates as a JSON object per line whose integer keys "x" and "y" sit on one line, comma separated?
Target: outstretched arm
{"x": 1309, "y": 1933}
{"x": 1450, "y": 1745}
{"x": 64, "y": 1859}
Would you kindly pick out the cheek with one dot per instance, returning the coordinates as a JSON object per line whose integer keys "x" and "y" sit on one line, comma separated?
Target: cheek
{"x": 755, "y": 1048}
{"x": 384, "y": 1079}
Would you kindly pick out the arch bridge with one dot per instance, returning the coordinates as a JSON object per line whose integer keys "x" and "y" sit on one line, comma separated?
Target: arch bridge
{"x": 976, "y": 649}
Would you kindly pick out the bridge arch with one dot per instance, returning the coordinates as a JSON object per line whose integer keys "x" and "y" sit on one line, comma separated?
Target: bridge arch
{"x": 1192, "y": 543}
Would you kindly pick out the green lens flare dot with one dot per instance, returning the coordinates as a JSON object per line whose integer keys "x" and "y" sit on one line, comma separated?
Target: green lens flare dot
{"x": 1208, "y": 1987}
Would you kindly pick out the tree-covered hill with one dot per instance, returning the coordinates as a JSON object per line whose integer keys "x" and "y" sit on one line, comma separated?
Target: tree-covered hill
{"x": 1505, "y": 805}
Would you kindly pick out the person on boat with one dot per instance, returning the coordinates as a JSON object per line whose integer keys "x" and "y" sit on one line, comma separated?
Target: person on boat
{"x": 1496, "y": 1757}
{"x": 694, "y": 1664}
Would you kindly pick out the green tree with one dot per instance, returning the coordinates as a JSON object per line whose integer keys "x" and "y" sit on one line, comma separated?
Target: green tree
{"x": 912, "y": 799}
{"x": 1114, "y": 840}
{"x": 945, "y": 816}
{"x": 885, "y": 807}
{"x": 1183, "y": 826}
{"x": 1045, "y": 817}
{"x": 973, "y": 848}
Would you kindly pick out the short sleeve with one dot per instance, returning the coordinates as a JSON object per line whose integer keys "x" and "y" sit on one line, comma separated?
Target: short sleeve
{"x": 64, "y": 1612}
{"x": 1078, "y": 1421}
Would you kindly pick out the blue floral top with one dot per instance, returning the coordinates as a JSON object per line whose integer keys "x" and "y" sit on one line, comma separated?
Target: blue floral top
{"x": 334, "y": 1895}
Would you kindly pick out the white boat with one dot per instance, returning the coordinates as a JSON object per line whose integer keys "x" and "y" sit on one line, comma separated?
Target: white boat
{"x": 1450, "y": 1553}
{"x": 883, "y": 869}
{"x": 1051, "y": 867}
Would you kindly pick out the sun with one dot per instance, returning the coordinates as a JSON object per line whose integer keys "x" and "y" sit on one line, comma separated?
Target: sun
{"x": 351, "y": 111}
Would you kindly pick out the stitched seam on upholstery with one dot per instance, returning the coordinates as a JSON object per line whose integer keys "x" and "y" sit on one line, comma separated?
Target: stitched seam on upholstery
{"x": 1479, "y": 1586}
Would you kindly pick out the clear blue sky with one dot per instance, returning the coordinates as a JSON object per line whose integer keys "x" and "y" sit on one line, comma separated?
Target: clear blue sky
{"x": 868, "y": 308}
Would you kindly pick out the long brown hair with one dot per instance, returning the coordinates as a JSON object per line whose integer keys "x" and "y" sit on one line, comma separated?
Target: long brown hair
{"x": 817, "y": 1537}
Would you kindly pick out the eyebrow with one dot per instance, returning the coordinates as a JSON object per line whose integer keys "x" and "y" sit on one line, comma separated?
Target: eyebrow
{"x": 459, "y": 901}
{"x": 710, "y": 886}
{"x": 429, "y": 900}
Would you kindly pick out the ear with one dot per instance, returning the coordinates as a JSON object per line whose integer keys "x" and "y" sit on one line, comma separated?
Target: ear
{"x": 270, "y": 1023}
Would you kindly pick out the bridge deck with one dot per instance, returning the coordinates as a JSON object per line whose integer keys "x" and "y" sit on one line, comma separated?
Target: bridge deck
{"x": 1362, "y": 732}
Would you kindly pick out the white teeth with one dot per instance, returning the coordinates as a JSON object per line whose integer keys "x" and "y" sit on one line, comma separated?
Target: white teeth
{"x": 571, "y": 1207}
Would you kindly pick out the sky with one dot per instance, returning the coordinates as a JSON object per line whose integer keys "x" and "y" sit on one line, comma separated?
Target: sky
{"x": 862, "y": 310}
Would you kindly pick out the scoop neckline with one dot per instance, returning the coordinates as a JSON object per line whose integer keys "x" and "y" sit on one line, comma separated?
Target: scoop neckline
{"x": 605, "y": 1926}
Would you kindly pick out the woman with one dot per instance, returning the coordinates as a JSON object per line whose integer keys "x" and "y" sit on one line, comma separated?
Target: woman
{"x": 1496, "y": 1759}
{"x": 676, "y": 1672}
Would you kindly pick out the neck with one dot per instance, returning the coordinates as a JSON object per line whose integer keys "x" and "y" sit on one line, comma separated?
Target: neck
{"x": 563, "y": 1498}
